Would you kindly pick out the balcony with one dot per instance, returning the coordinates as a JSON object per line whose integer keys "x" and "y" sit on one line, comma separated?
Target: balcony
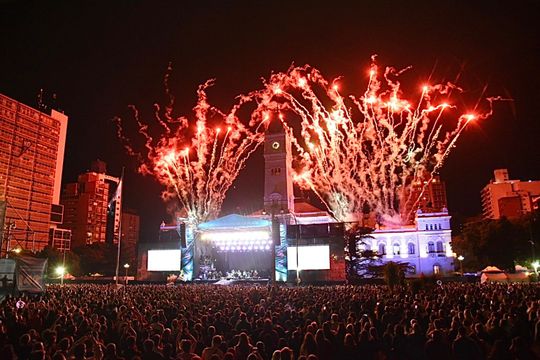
{"x": 436, "y": 254}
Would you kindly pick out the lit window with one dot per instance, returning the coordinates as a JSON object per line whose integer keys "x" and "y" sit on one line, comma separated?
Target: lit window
{"x": 396, "y": 249}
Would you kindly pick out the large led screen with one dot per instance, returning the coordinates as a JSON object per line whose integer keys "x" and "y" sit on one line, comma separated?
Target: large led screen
{"x": 309, "y": 257}
{"x": 164, "y": 260}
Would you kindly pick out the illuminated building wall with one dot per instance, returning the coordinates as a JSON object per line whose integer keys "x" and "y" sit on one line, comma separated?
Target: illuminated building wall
{"x": 503, "y": 197}
{"x": 425, "y": 245}
{"x": 31, "y": 159}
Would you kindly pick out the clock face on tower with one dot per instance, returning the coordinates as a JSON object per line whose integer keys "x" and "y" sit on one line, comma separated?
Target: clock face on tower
{"x": 275, "y": 145}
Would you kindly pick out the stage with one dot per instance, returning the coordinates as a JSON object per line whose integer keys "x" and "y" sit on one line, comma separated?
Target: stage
{"x": 228, "y": 282}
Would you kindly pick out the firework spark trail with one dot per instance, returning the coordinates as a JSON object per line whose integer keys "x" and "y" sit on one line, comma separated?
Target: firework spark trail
{"x": 372, "y": 150}
{"x": 195, "y": 160}
{"x": 369, "y": 150}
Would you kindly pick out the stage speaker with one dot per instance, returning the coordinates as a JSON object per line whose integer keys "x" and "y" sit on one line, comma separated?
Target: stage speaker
{"x": 183, "y": 242}
{"x": 353, "y": 252}
{"x": 292, "y": 231}
{"x": 276, "y": 238}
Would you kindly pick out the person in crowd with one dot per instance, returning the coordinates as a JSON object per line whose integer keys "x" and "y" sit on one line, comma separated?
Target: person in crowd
{"x": 243, "y": 348}
{"x": 215, "y": 349}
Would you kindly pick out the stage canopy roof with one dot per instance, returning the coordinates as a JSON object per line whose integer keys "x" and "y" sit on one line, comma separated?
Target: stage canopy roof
{"x": 234, "y": 221}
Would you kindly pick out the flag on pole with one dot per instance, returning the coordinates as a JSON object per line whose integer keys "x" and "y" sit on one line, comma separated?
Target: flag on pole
{"x": 117, "y": 194}
{"x": 115, "y": 198}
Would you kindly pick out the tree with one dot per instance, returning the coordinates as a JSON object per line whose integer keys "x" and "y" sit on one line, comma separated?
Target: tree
{"x": 365, "y": 263}
{"x": 502, "y": 242}
{"x": 56, "y": 258}
{"x": 97, "y": 258}
{"x": 392, "y": 272}
{"x": 359, "y": 257}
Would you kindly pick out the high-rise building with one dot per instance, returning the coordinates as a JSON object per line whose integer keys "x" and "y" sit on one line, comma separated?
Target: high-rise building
{"x": 86, "y": 207}
{"x": 427, "y": 196}
{"x": 32, "y": 147}
{"x": 433, "y": 198}
{"x": 503, "y": 197}
{"x": 130, "y": 236}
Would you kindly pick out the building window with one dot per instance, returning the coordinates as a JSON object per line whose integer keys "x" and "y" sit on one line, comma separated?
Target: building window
{"x": 382, "y": 249}
{"x": 275, "y": 171}
{"x": 431, "y": 247}
{"x": 411, "y": 248}
{"x": 426, "y": 226}
{"x": 396, "y": 249}
{"x": 440, "y": 247}
{"x": 436, "y": 269}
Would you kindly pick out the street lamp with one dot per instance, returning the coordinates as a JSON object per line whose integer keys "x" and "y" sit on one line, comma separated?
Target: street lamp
{"x": 535, "y": 266}
{"x": 461, "y": 258}
{"x": 126, "y": 266}
{"x": 60, "y": 270}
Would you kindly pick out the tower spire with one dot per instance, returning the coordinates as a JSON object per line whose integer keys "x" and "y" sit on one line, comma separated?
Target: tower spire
{"x": 278, "y": 186}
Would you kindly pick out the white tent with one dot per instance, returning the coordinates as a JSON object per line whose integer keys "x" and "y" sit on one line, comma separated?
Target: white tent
{"x": 493, "y": 274}
{"x": 491, "y": 269}
{"x": 518, "y": 277}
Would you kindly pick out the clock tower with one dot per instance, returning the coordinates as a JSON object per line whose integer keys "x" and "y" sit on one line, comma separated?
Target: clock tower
{"x": 278, "y": 186}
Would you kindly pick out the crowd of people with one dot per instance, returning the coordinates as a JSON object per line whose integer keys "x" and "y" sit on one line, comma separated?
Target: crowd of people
{"x": 155, "y": 322}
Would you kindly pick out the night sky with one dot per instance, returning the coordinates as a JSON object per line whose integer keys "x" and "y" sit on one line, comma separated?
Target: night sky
{"x": 99, "y": 57}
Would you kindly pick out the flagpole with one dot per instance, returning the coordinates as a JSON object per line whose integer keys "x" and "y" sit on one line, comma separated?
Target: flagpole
{"x": 119, "y": 203}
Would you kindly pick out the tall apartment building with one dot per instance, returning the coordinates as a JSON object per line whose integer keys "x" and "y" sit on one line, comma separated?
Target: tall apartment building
{"x": 32, "y": 146}
{"x": 504, "y": 197}
{"x": 86, "y": 211}
{"x": 431, "y": 200}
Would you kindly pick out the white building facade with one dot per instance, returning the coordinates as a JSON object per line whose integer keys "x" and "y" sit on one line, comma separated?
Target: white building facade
{"x": 426, "y": 246}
